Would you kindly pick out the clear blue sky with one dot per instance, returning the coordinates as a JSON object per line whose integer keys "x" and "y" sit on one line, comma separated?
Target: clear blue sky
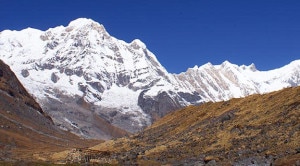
{"x": 181, "y": 33}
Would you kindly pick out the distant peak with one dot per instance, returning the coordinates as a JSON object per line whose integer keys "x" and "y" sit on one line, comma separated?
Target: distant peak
{"x": 87, "y": 24}
{"x": 251, "y": 67}
{"x": 208, "y": 65}
{"x": 82, "y": 22}
{"x": 226, "y": 63}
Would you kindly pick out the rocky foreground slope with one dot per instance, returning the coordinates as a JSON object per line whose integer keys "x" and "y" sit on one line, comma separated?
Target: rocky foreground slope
{"x": 26, "y": 131}
{"x": 256, "y": 130}
{"x": 91, "y": 83}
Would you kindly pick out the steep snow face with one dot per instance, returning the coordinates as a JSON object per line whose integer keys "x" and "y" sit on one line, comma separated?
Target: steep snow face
{"x": 82, "y": 65}
{"x": 226, "y": 81}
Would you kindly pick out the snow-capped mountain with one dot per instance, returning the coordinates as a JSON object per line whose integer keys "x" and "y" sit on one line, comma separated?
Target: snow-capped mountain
{"x": 80, "y": 71}
{"x": 86, "y": 79}
{"x": 226, "y": 81}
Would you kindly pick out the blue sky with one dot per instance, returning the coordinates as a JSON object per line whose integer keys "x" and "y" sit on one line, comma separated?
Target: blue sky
{"x": 181, "y": 33}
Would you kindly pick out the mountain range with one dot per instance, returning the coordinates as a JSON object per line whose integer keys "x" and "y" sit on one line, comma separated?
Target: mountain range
{"x": 98, "y": 86}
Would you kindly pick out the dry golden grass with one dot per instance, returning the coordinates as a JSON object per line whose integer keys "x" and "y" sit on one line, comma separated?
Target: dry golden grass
{"x": 258, "y": 125}
{"x": 156, "y": 149}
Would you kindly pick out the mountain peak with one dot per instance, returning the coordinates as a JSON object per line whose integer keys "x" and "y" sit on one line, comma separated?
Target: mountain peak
{"x": 251, "y": 67}
{"x": 82, "y": 22}
{"x": 137, "y": 43}
{"x": 207, "y": 65}
{"x": 195, "y": 67}
{"x": 226, "y": 63}
{"x": 86, "y": 24}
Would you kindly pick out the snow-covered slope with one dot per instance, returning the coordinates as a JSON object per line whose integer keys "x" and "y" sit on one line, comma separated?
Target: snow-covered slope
{"x": 86, "y": 79}
{"x": 80, "y": 71}
{"x": 226, "y": 81}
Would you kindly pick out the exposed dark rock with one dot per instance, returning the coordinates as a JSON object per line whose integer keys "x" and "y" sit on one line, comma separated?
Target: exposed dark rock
{"x": 114, "y": 47}
{"x": 97, "y": 86}
{"x": 61, "y": 70}
{"x": 123, "y": 79}
{"x": 146, "y": 103}
{"x": 254, "y": 160}
{"x": 130, "y": 85}
{"x": 192, "y": 98}
{"x": 120, "y": 59}
{"x": 1, "y": 73}
{"x": 166, "y": 104}
{"x": 87, "y": 77}
{"x": 78, "y": 72}
{"x": 54, "y": 78}
{"x": 52, "y": 45}
{"x": 134, "y": 45}
{"x": 82, "y": 87}
{"x": 25, "y": 73}
{"x": 212, "y": 163}
{"x": 159, "y": 105}
{"x": 113, "y": 113}
{"x": 77, "y": 43}
{"x": 69, "y": 72}
{"x": 97, "y": 96}
{"x": 44, "y": 37}
{"x": 45, "y": 66}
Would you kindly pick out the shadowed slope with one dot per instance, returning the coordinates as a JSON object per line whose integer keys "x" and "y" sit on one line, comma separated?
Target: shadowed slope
{"x": 26, "y": 132}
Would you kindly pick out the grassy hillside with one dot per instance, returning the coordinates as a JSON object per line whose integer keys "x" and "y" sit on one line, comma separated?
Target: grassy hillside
{"x": 259, "y": 129}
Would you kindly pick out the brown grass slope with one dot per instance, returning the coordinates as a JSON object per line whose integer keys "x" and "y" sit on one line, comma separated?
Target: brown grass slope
{"x": 259, "y": 129}
{"x": 26, "y": 132}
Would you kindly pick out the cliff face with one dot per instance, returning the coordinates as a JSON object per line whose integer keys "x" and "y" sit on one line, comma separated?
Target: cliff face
{"x": 25, "y": 129}
{"x": 11, "y": 86}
